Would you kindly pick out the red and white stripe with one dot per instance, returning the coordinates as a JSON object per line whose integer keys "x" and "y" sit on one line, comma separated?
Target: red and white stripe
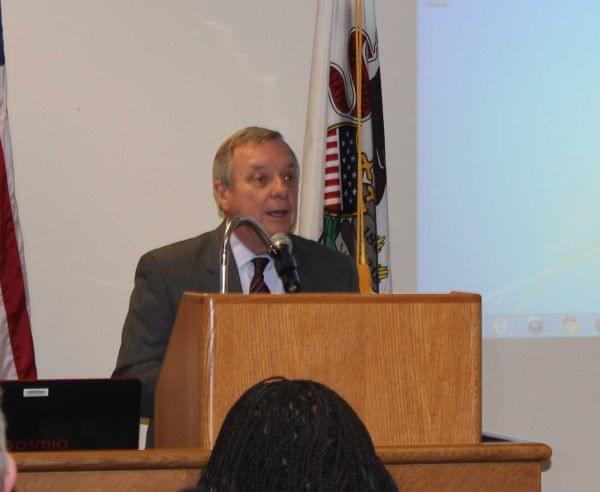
{"x": 17, "y": 358}
{"x": 332, "y": 198}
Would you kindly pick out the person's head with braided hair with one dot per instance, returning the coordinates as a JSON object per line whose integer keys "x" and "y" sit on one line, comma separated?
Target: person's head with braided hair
{"x": 284, "y": 435}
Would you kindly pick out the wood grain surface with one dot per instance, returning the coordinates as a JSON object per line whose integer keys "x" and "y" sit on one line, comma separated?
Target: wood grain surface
{"x": 409, "y": 364}
{"x": 490, "y": 467}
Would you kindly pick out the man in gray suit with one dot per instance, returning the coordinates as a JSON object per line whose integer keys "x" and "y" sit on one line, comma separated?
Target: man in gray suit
{"x": 255, "y": 173}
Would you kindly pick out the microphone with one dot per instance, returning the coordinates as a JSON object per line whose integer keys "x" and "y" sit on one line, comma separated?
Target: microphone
{"x": 285, "y": 263}
{"x": 258, "y": 230}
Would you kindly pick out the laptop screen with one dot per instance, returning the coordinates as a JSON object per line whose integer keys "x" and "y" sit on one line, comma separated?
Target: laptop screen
{"x": 69, "y": 414}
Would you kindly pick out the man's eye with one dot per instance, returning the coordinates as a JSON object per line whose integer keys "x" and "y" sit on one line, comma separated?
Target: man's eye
{"x": 290, "y": 177}
{"x": 260, "y": 179}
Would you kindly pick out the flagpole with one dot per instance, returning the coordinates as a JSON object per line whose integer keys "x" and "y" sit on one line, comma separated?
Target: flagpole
{"x": 364, "y": 273}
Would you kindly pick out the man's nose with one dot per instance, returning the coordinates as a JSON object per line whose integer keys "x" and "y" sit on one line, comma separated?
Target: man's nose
{"x": 281, "y": 187}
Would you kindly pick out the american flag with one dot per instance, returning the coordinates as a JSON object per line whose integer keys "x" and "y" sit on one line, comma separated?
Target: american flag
{"x": 340, "y": 170}
{"x": 17, "y": 359}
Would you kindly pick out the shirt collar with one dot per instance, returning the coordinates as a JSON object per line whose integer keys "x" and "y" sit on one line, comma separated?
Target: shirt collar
{"x": 241, "y": 252}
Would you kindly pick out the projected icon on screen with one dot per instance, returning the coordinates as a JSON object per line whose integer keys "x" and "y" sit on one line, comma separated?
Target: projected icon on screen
{"x": 570, "y": 325}
{"x": 500, "y": 326}
{"x": 535, "y": 325}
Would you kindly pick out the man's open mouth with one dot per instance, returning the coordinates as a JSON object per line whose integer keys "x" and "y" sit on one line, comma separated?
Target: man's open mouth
{"x": 278, "y": 213}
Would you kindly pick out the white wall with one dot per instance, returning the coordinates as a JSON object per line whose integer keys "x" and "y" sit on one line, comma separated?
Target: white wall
{"x": 547, "y": 390}
{"x": 116, "y": 109}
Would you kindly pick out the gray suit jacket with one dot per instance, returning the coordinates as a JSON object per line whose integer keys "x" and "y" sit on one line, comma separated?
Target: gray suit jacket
{"x": 164, "y": 274}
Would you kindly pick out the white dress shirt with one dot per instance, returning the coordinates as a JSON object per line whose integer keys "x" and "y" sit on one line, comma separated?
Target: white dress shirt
{"x": 243, "y": 259}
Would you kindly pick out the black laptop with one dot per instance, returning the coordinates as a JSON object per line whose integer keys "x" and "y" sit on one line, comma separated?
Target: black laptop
{"x": 69, "y": 414}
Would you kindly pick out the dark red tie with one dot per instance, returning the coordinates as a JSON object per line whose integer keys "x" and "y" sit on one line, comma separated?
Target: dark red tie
{"x": 258, "y": 285}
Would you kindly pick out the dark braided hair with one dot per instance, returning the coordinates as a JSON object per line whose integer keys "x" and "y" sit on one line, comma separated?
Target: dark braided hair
{"x": 284, "y": 435}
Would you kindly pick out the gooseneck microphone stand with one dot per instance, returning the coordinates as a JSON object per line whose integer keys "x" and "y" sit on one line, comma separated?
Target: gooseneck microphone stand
{"x": 258, "y": 230}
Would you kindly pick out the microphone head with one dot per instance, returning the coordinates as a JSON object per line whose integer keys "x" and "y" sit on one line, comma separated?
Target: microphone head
{"x": 285, "y": 263}
{"x": 280, "y": 240}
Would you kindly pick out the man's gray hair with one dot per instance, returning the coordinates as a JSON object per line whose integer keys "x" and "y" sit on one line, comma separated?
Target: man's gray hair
{"x": 223, "y": 161}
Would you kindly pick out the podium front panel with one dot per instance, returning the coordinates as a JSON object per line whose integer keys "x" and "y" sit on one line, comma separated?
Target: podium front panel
{"x": 410, "y": 365}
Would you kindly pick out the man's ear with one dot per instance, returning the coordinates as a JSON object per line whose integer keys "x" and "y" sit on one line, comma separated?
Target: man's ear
{"x": 221, "y": 195}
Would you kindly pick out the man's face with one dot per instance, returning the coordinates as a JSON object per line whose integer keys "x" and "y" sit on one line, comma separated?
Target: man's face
{"x": 264, "y": 186}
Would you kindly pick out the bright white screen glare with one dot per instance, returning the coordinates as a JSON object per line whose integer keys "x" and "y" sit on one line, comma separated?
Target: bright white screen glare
{"x": 509, "y": 161}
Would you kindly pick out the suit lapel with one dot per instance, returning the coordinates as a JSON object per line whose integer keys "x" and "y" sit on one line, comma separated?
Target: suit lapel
{"x": 304, "y": 271}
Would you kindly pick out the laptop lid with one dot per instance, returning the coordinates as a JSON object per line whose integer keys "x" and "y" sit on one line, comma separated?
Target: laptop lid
{"x": 69, "y": 414}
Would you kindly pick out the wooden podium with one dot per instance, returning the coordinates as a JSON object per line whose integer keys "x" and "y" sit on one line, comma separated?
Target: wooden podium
{"x": 410, "y": 365}
{"x": 493, "y": 467}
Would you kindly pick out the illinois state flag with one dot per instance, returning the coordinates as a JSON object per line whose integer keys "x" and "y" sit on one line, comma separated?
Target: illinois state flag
{"x": 17, "y": 359}
{"x": 329, "y": 197}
